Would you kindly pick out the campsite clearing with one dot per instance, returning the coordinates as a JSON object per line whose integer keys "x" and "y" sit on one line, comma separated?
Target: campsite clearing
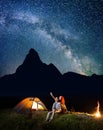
{"x": 11, "y": 120}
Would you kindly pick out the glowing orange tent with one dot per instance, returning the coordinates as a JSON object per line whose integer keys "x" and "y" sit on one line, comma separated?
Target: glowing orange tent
{"x": 30, "y": 103}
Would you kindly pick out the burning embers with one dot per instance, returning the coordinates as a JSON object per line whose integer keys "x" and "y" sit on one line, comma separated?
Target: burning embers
{"x": 97, "y": 113}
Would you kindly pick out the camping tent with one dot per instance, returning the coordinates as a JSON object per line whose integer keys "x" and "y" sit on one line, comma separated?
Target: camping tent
{"x": 30, "y": 103}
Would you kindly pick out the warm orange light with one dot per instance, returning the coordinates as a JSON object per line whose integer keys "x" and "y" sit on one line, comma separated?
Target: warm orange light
{"x": 98, "y": 114}
{"x": 37, "y": 106}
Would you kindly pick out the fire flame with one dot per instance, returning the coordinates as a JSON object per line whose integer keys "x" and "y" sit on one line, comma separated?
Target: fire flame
{"x": 98, "y": 114}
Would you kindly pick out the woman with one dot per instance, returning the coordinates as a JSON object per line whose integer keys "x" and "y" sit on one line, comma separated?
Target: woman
{"x": 63, "y": 106}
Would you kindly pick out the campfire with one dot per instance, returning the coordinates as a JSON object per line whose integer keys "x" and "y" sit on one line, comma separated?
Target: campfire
{"x": 97, "y": 113}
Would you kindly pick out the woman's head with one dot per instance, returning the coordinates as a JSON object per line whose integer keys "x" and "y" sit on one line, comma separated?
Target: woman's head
{"x": 62, "y": 100}
{"x": 60, "y": 97}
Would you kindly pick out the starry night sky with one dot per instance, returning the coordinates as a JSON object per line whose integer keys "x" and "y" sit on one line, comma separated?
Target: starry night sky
{"x": 68, "y": 33}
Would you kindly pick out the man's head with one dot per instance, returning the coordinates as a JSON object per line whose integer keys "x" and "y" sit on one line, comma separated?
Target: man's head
{"x": 56, "y": 99}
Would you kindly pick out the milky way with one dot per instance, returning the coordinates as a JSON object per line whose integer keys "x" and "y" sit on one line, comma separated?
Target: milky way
{"x": 68, "y": 34}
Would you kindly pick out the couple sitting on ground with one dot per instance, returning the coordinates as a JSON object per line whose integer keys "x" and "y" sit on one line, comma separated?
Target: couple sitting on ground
{"x": 58, "y": 107}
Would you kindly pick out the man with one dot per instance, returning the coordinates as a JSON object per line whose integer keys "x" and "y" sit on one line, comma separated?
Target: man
{"x": 56, "y": 108}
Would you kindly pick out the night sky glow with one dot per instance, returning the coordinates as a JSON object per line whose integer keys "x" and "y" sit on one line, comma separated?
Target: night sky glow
{"x": 67, "y": 33}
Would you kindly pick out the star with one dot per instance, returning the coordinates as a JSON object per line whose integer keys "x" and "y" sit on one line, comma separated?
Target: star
{"x": 65, "y": 33}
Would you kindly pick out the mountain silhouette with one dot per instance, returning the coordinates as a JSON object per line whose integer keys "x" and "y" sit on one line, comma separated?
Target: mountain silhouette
{"x": 33, "y": 77}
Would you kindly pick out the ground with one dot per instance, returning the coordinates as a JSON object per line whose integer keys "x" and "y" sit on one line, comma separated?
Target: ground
{"x": 10, "y": 120}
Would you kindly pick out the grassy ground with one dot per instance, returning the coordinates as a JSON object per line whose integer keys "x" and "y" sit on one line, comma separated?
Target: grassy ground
{"x": 10, "y": 120}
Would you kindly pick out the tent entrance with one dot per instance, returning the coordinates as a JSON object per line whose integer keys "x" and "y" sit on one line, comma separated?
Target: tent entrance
{"x": 37, "y": 106}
